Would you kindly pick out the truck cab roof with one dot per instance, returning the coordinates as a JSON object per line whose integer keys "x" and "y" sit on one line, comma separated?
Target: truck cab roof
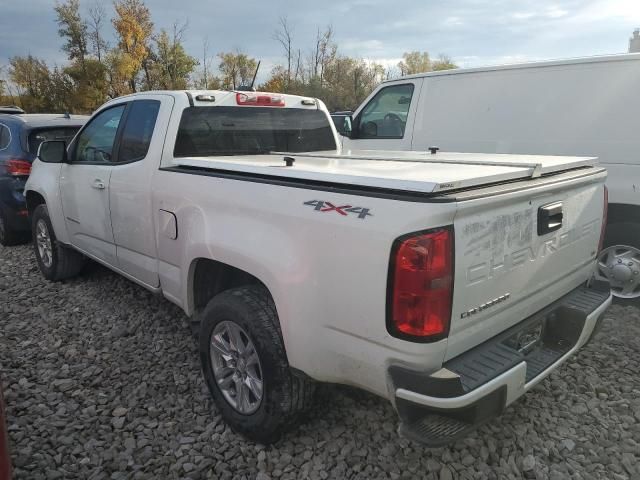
{"x": 215, "y": 98}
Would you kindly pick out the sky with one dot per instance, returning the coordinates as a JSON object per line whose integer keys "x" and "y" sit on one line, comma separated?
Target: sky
{"x": 473, "y": 33}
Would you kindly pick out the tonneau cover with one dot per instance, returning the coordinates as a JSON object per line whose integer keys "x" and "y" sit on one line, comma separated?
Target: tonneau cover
{"x": 397, "y": 170}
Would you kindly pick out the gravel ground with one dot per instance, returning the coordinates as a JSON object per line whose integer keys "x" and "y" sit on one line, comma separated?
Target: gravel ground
{"x": 102, "y": 381}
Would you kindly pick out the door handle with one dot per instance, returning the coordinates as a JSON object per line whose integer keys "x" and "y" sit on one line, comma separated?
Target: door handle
{"x": 99, "y": 184}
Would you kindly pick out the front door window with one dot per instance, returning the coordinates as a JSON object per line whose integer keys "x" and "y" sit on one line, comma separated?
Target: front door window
{"x": 95, "y": 142}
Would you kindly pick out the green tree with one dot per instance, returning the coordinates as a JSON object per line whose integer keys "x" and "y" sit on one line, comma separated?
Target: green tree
{"x": 118, "y": 68}
{"x": 443, "y": 63}
{"x": 89, "y": 83}
{"x": 414, "y": 62}
{"x": 420, "y": 62}
{"x": 171, "y": 66}
{"x": 349, "y": 81}
{"x": 73, "y": 29}
{"x": 237, "y": 69}
{"x": 39, "y": 88}
{"x": 86, "y": 75}
{"x": 31, "y": 76}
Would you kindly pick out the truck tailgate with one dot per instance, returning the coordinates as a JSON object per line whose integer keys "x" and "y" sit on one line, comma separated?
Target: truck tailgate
{"x": 520, "y": 251}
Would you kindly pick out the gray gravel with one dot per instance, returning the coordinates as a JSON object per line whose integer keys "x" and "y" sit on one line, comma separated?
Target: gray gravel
{"x": 102, "y": 381}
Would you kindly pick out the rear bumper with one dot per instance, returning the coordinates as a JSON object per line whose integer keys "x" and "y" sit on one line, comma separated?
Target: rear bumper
{"x": 13, "y": 203}
{"x": 439, "y": 407}
{"x": 17, "y": 220}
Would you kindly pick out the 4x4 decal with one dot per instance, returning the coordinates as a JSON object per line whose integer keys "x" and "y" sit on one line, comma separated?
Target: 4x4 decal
{"x": 323, "y": 206}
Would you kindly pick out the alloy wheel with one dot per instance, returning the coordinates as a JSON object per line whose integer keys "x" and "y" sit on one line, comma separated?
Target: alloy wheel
{"x": 236, "y": 367}
{"x": 43, "y": 242}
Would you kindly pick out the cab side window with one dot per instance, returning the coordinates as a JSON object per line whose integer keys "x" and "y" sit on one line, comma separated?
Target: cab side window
{"x": 385, "y": 116}
{"x": 136, "y": 136}
{"x": 95, "y": 142}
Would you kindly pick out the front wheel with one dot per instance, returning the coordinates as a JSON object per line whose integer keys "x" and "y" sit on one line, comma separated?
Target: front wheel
{"x": 245, "y": 364}
{"x": 619, "y": 261}
{"x": 55, "y": 261}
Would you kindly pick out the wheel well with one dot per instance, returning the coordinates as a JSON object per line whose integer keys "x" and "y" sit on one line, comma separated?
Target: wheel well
{"x": 33, "y": 200}
{"x": 623, "y": 212}
{"x": 211, "y": 277}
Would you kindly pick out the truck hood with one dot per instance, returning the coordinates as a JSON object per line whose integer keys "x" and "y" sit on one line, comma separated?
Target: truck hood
{"x": 397, "y": 170}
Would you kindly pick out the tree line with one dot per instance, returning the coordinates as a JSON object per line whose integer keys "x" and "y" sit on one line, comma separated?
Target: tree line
{"x": 143, "y": 58}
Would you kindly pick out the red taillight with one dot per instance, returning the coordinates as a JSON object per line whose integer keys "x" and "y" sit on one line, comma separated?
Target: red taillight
{"x": 18, "y": 167}
{"x": 605, "y": 212}
{"x": 259, "y": 99}
{"x": 421, "y": 282}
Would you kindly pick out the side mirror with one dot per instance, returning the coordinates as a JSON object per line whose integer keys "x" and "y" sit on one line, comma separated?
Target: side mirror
{"x": 347, "y": 127}
{"x": 53, "y": 151}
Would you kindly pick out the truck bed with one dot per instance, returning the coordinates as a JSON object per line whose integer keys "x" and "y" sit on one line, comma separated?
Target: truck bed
{"x": 408, "y": 171}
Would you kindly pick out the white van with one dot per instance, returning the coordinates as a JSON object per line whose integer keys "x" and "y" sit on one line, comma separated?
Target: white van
{"x": 584, "y": 107}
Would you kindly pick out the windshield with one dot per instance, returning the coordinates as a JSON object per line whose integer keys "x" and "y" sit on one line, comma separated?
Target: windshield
{"x": 36, "y": 137}
{"x": 209, "y": 131}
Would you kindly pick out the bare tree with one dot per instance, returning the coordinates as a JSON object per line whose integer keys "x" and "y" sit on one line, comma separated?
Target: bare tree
{"x": 205, "y": 61}
{"x": 299, "y": 72}
{"x": 284, "y": 36}
{"x": 97, "y": 15}
{"x": 322, "y": 51}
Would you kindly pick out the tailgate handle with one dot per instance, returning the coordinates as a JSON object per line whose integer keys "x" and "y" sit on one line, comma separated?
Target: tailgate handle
{"x": 549, "y": 218}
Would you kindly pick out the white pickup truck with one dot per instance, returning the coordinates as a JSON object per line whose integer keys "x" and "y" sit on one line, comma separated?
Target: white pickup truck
{"x": 449, "y": 284}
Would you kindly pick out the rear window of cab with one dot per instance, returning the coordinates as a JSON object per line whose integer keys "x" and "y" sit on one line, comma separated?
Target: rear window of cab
{"x": 218, "y": 131}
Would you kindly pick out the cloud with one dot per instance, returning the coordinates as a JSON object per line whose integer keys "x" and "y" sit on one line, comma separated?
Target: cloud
{"x": 453, "y": 22}
{"x": 352, "y": 45}
{"x": 556, "y": 12}
{"x": 472, "y": 32}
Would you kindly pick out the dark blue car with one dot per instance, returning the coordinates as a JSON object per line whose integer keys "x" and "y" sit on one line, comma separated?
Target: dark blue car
{"x": 20, "y": 137}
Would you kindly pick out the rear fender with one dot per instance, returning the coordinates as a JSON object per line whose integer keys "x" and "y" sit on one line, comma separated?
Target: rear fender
{"x": 270, "y": 256}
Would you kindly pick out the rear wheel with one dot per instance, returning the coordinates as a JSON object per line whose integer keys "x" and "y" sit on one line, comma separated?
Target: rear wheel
{"x": 245, "y": 364}
{"x": 56, "y": 262}
{"x": 619, "y": 261}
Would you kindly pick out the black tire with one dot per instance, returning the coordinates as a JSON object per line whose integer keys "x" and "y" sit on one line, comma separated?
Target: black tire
{"x": 623, "y": 233}
{"x": 8, "y": 236}
{"x": 65, "y": 262}
{"x": 285, "y": 394}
